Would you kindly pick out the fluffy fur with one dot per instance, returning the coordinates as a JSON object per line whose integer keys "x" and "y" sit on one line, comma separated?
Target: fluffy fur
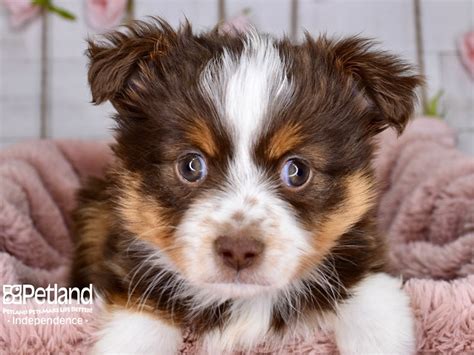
{"x": 423, "y": 165}
{"x": 247, "y": 104}
{"x": 125, "y": 330}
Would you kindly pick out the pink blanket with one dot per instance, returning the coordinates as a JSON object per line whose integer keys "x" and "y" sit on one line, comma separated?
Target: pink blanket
{"x": 426, "y": 209}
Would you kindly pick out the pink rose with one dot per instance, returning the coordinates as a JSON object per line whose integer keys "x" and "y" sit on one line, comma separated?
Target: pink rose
{"x": 103, "y": 14}
{"x": 466, "y": 49}
{"x": 21, "y": 11}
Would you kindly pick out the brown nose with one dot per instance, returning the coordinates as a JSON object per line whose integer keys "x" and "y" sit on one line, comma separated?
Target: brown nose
{"x": 238, "y": 253}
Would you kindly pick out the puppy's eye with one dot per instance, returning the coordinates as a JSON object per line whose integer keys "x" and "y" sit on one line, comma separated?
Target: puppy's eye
{"x": 192, "y": 167}
{"x": 295, "y": 173}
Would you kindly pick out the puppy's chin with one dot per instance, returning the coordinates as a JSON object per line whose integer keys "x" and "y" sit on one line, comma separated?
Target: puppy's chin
{"x": 237, "y": 290}
{"x": 226, "y": 284}
{"x": 245, "y": 285}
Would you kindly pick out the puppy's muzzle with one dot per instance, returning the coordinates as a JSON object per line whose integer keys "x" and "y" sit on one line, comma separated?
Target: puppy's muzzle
{"x": 239, "y": 253}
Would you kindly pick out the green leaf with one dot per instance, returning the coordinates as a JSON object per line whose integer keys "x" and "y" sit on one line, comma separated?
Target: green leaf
{"x": 49, "y": 6}
{"x": 62, "y": 12}
{"x": 433, "y": 106}
{"x": 42, "y": 3}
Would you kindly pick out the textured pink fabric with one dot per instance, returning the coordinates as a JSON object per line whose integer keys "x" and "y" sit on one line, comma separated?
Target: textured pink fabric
{"x": 426, "y": 210}
{"x": 37, "y": 184}
{"x": 427, "y": 202}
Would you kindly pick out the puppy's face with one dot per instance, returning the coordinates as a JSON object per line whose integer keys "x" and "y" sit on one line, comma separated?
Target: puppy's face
{"x": 245, "y": 159}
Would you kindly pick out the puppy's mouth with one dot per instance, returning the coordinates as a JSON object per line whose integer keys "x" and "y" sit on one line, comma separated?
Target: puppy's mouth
{"x": 239, "y": 278}
{"x": 240, "y": 284}
{"x": 237, "y": 289}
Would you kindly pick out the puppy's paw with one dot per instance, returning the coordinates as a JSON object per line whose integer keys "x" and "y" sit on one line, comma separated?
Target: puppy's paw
{"x": 128, "y": 332}
{"x": 377, "y": 319}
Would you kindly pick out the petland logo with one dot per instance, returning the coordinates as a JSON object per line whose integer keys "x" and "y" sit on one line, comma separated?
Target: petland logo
{"x": 20, "y": 294}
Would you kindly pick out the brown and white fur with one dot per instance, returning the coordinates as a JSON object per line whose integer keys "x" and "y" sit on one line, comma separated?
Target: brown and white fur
{"x": 242, "y": 256}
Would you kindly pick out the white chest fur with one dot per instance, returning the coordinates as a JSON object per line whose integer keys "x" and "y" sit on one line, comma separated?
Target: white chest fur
{"x": 375, "y": 320}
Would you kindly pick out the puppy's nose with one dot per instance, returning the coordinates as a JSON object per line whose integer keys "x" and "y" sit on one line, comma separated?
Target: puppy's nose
{"x": 238, "y": 253}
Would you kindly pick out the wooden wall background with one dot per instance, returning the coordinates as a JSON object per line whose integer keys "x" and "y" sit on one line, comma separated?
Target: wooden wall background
{"x": 69, "y": 113}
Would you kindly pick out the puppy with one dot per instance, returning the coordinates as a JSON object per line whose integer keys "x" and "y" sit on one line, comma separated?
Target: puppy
{"x": 241, "y": 200}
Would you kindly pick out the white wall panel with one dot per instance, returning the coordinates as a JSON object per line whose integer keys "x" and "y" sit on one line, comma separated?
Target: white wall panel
{"x": 272, "y": 16}
{"x": 389, "y": 21}
{"x": 201, "y": 13}
{"x": 458, "y": 90}
{"x": 466, "y": 140}
{"x": 433, "y": 73}
{"x": 19, "y": 79}
{"x": 444, "y": 21}
{"x": 70, "y": 113}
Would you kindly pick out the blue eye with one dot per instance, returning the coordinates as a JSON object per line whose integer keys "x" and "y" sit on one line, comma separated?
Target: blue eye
{"x": 192, "y": 167}
{"x": 295, "y": 173}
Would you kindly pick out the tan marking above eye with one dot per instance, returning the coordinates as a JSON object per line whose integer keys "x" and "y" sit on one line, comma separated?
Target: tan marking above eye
{"x": 286, "y": 138}
{"x": 201, "y": 136}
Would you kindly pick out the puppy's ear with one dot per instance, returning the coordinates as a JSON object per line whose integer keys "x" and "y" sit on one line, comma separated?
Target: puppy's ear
{"x": 115, "y": 60}
{"x": 388, "y": 83}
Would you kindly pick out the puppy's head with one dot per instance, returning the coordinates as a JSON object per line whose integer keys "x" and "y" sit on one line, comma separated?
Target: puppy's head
{"x": 244, "y": 159}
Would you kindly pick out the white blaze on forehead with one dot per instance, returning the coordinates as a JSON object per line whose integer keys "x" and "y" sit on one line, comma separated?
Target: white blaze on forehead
{"x": 244, "y": 88}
